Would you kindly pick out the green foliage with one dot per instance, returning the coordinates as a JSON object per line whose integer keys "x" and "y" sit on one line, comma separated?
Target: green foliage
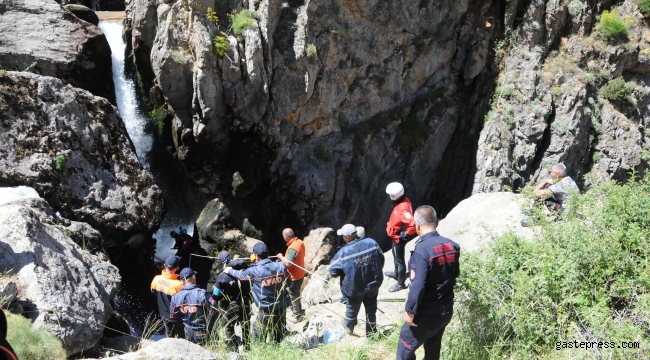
{"x": 242, "y": 20}
{"x": 645, "y": 6}
{"x": 220, "y": 45}
{"x": 212, "y": 15}
{"x": 617, "y": 90}
{"x": 59, "y": 162}
{"x": 586, "y": 277}
{"x": 311, "y": 51}
{"x": 493, "y": 104}
{"x": 507, "y": 91}
{"x": 158, "y": 117}
{"x": 178, "y": 56}
{"x": 30, "y": 343}
{"x": 612, "y": 26}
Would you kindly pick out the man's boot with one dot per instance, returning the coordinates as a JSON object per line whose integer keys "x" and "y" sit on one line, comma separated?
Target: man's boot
{"x": 391, "y": 274}
{"x": 397, "y": 287}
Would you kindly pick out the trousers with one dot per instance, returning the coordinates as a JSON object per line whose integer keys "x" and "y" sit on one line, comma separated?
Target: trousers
{"x": 294, "y": 294}
{"x": 400, "y": 263}
{"x": 271, "y": 323}
{"x": 353, "y": 305}
{"x": 431, "y": 326}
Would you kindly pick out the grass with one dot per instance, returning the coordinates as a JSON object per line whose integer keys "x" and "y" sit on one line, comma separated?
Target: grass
{"x": 645, "y": 6}
{"x": 178, "y": 56}
{"x": 242, "y": 20}
{"x": 311, "y": 51}
{"x": 586, "y": 278}
{"x": 612, "y": 26}
{"x": 158, "y": 118}
{"x": 59, "y": 162}
{"x": 30, "y": 343}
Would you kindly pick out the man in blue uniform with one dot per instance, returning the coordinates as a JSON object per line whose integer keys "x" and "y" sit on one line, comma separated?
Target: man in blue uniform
{"x": 269, "y": 281}
{"x": 429, "y": 307}
{"x": 192, "y": 305}
{"x": 359, "y": 263}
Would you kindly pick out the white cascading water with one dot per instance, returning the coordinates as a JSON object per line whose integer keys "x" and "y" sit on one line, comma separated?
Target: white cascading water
{"x": 136, "y": 125}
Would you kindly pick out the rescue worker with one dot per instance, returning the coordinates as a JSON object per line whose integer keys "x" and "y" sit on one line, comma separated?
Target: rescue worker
{"x": 202, "y": 263}
{"x": 359, "y": 264}
{"x": 233, "y": 298}
{"x": 6, "y": 351}
{"x": 433, "y": 269}
{"x": 268, "y": 280}
{"x": 183, "y": 245}
{"x": 401, "y": 229}
{"x": 295, "y": 263}
{"x": 192, "y": 305}
{"x": 164, "y": 286}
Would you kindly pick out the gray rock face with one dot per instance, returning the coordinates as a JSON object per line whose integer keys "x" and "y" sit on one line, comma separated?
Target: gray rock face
{"x": 216, "y": 230}
{"x": 319, "y": 247}
{"x": 549, "y": 106}
{"x": 73, "y": 148}
{"x": 61, "y": 46}
{"x": 70, "y": 289}
{"x": 83, "y": 13}
{"x": 169, "y": 349}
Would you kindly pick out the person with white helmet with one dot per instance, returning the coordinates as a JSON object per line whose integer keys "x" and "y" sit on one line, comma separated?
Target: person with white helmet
{"x": 401, "y": 229}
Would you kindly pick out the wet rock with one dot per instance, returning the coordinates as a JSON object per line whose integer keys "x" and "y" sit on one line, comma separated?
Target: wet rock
{"x": 63, "y": 46}
{"x": 319, "y": 247}
{"x": 73, "y": 148}
{"x": 68, "y": 289}
{"x": 84, "y": 13}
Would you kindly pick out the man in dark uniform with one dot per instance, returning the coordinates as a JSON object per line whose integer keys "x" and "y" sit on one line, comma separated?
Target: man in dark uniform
{"x": 233, "y": 298}
{"x": 192, "y": 305}
{"x": 429, "y": 307}
{"x": 269, "y": 282}
{"x": 6, "y": 352}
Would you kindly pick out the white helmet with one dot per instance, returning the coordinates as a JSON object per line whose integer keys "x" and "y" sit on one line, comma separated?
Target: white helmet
{"x": 395, "y": 190}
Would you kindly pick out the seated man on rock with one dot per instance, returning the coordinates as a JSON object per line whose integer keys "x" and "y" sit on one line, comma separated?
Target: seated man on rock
{"x": 555, "y": 192}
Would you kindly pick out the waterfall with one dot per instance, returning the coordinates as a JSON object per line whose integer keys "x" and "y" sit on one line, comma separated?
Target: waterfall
{"x": 151, "y": 152}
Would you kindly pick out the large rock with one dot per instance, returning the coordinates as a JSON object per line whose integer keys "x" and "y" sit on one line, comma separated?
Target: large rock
{"x": 84, "y": 13}
{"x": 68, "y": 289}
{"x": 169, "y": 349}
{"x": 319, "y": 247}
{"x": 216, "y": 230}
{"x": 74, "y": 149}
{"x": 321, "y": 288}
{"x": 483, "y": 216}
{"x": 41, "y": 37}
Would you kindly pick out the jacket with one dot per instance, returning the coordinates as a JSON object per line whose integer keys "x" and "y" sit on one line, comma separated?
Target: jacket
{"x": 401, "y": 220}
{"x": 299, "y": 247}
{"x": 268, "y": 280}
{"x": 192, "y": 306}
{"x": 231, "y": 289}
{"x": 433, "y": 270}
{"x": 164, "y": 286}
{"x": 359, "y": 264}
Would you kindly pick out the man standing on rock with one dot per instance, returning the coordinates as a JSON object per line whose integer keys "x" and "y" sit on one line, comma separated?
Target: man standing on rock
{"x": 295, "y": 263}
{"x": 433, "y": 269}
{"x": 359, "y": 264}
{"x": 268, "y": 280}
{"x": 164, "y": 286}
{"x": 401, "y": 229}
{"x": 192, "y": 305}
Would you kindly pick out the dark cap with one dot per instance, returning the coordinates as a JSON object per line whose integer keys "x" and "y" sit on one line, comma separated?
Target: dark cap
{"x": 224, "y": 257}
{"x": 187, "y": 273}
{"x": 261, "y": 250}
{"x": 172, "y": 262}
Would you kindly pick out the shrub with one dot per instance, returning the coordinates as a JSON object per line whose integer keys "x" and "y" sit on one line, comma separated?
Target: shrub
{"x": 59, "y": 162}
{"x": 586, "y": 277}
{"x": 158, "y": 117}
{"x": 242, "y": 20}
{"x": 212, "y": 15}
{"x": 178, "y": 56}
{"x": 311, "y": 51}
{"x": 612, "y": 26}
{"x": 617, "y": 90}
{"x": 220, "y": 45}
{"x": 645, "y": 6}
{"x": 30, "y": 343}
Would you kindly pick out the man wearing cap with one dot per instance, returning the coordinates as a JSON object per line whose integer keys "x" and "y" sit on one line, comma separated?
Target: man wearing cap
{"x": 164, "y": 286}
{"x": 268, "y": 280}
{"x": 401, "y": 229}
{"x": 295, "y": 263}
{"x": 359, "y": 264}
{"x": 433, "y": 269}
{"x": 233, "y": 298}
{"x": 192, "y": 305}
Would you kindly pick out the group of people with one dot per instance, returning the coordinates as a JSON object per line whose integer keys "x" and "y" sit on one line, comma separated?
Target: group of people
{"x": 274, "y": 286}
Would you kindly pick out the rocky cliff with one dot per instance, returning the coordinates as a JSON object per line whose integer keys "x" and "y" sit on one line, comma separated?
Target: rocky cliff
{"x": 311, "y": 108}
{"x": 44, "y": 38}
{"x": 73, "y": 148}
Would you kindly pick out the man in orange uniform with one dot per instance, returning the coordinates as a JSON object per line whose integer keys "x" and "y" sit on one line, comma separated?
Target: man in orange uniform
{"x": 295, "y": 263}
{"x": 401, "y": 229}
{"x": 164, "y": 286}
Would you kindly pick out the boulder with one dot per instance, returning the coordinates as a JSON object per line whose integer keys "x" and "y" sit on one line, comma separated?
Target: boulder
{"x": 169, "y": 349}
{"x": 321, "y": 288}
{"x": 68, "y": 290}
{"x": 319, "y": 247}
{"x": 74, "y": 149}
{"x": 8, "y": 290}
{"x": 84, "y": 13}
{"x": 483, "y": 216}
{"x": 216, "y": 231}
{"x": 62, "y": 45}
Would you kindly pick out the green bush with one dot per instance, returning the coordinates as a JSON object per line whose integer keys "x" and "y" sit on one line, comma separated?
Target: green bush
{"x": 220, "y": 45}
{"x": 645, "y": 6}
{"x": 158, "y": 116}
{"x": 311, "y": 51}
{"x": 212, "y": 15}
{"x": 586, "y": 278}
{"x": 59, "y": 162}
{"x": 30, "y": 343}
{"x": 242, "y": 20}
{"x": 617, "y": 90}
{"x": 612, "y": 26}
